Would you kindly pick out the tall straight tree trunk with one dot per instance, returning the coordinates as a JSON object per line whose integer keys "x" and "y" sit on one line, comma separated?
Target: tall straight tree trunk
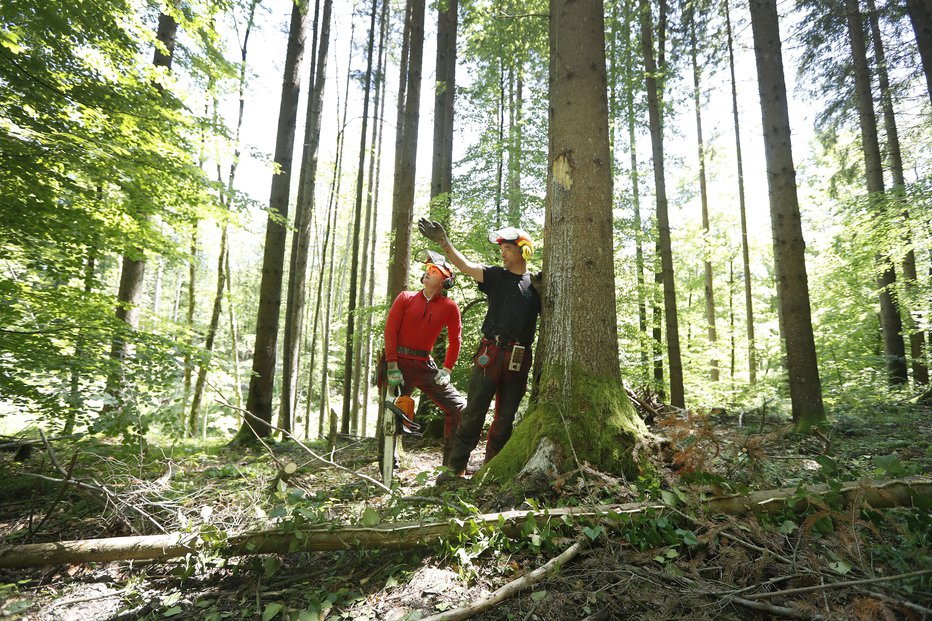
{"x": 516, "y": 146}
{"x": 355, "y": 241}
{"x": 260, "y": 397}
{"x": 134, "y": 263}
{"x": 399, "y": 260}
{"x": 629, "y": 49}
{"x": 920, "y": 15}
{"x": 441, "y": 178}
{"x": 890, "y": 323}
{"x": 789, "y": 247}
{"x": 373, "y": 196}
{"x": 189, "y": 320}
{"x": 581, "y": 393}
{"x": 704, "y": 199}
{"x": 895, "y": 163}
{"x": 742, "y": 207}
{"x": 304, "y": 210}
{"x": 500, "y": 160}
{"x": 677, "y": 396}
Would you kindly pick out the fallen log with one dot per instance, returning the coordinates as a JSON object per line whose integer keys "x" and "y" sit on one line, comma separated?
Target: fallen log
{"x": 879, "y": 494}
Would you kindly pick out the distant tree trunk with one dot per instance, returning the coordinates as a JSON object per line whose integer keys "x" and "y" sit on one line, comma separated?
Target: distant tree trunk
{"x": 789, "y": 247}
{"x": 234, "y": 339}
{"x": 895, "y": 163}
{"x": 441, "y": 183}
{"x": 304, "y": 210}
{"x": 500, "y": 142}
{"x": 630, "y": 8}
{"x": 516, "y": 146}
{"x": 373, "y": 196}
{"x": 348, "y": 372}
{"x": 134, "y": 263}
{"x": 399, "y": 259}
{"x": 325, "y": 345}
{"x": 582, "y": 412}
{"x": 157, "y": 286}
{"x": 75, "y": 401}
{"x": 211, "y": 334}
{"x": 677, "y": 396}
{"x": 189, "y": 322}
{"x": 704, "y": 199}
{"x": 742, "y": 207}
{"x": 223, "y": 261}
{"x": 920, "y": 14}
{"x": 259, "y": 399}
{"x": 891, "y": 324}
{"x": 441, "y": 179}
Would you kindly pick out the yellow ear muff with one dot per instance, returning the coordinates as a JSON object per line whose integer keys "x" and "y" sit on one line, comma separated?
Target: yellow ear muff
{"x": 527, "y": 249}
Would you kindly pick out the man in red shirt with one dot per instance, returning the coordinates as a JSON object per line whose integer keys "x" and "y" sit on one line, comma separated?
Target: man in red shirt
{"x": 414, "y": 322}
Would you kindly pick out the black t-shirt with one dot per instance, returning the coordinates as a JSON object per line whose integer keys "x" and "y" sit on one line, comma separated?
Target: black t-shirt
{"x": 513, "y": 305}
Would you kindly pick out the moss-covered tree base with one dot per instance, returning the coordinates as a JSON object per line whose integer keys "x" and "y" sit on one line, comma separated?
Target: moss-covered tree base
{"x": 584, "y": 419}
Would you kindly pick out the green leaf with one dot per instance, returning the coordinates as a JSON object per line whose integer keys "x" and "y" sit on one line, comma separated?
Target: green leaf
{"x": 669, "y": 498}
{"x": 536, "y": 596}
{"x": 308, "y": 615}
{"x": 688, "y": 537}
{"x": 593, "y": 532}
{"x": 271, "y": 610}
{"x": 370, "y": 517}
{"x": 171, "y": 612}
{"x": 840, "y": 567}
{"x": 271, "y": 565}
{"x": 787, "y": 527}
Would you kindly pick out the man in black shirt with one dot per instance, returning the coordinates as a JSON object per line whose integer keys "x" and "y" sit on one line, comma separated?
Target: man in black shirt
{"x": 503, "y": 359}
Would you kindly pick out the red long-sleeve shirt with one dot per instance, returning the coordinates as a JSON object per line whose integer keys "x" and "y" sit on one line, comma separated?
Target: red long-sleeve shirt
{"x": 415, "y": 322}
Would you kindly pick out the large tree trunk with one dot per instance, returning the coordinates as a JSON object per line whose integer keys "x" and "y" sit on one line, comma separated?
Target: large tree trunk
{"x": 582, "y": 411}
{"x": 304, "y": 210}
{"x": 895, "y": 163}
{"x": 789, "y": 247}
{"x": 399, "y": 260}
{"x": 260, "y": 397}
{"x": 677, "y": 395}
{"x": 134, "y": 264}
{"x": 891, "y": 324}
{"x": 742, "y": 207}
{"x": 441, "y": 178}
{"x": 920, "y": 14}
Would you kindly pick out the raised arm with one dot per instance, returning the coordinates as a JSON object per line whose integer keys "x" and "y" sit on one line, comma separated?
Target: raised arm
{"x": 435, "y": 232}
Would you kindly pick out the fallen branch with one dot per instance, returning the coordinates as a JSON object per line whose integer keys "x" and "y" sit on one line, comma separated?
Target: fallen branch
{"x": 509, "y": 589}
{"x": 406, "y": 535}
{"x": 837, "y": 585}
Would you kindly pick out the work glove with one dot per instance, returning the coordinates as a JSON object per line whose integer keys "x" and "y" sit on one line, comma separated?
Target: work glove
{"x": 434, "y": 231}
{"x": 537, "y": 281}
{"x": 394, "y": 376}
{"x": 443, "y": 377}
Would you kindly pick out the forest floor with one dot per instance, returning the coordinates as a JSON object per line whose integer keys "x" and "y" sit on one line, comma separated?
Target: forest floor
{"x": 670, "y": 563}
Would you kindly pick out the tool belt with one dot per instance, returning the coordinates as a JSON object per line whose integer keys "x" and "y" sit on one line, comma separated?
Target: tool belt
{"x": 502, "y": 342}
{"x": 497, "y": 354}
{"x": 417, "y": 353}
